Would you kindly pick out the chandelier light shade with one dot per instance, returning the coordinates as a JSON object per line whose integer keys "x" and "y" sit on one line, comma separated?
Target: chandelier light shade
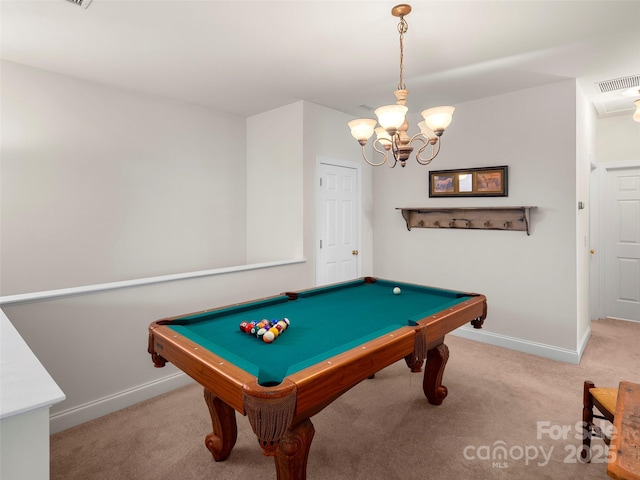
{"x": 438, "y": 118}
{"x": 636, "y": 115}
{"x": 392, "y": 135}
{"x": 391, "y": 117}
{"x": 362, "y": 129}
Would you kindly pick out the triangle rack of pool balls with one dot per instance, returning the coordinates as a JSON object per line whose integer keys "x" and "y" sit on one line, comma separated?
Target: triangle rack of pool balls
{"x": 265, "y": 330}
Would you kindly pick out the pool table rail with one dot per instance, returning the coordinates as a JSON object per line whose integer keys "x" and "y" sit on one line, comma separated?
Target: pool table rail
{"x": 205, "y": 367}
{"x": 322, "y": 383}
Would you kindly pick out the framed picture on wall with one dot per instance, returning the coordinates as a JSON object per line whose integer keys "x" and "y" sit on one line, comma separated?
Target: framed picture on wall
{"x": 469, "y": 182}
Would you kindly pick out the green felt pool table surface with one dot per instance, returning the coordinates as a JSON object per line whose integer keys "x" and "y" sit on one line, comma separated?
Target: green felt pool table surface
{"x": 325, "y": 321}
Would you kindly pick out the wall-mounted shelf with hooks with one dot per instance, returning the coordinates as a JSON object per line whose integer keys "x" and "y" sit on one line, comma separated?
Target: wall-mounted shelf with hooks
{"x": 484, "y": 218}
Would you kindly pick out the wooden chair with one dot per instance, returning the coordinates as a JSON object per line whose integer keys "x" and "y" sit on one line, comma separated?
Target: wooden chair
{"x": 604, "y": 399}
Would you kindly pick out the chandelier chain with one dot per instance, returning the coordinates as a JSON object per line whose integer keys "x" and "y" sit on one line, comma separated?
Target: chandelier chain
{"x": 403, "y": 26}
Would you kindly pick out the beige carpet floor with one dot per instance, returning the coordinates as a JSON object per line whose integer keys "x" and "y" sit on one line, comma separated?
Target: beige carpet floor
{"x": 508, "y": 415}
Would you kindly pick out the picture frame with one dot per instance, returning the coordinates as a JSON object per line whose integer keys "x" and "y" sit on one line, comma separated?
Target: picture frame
{"x": 469, "y": 182}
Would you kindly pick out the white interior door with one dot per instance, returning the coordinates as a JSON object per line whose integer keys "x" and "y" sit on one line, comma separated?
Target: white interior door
{"x": 338, "y": 219}
{"x": 622, "y": 249}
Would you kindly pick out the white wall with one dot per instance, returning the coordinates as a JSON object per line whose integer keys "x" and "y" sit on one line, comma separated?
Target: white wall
{"x": 618, "y": 139}
{"x": 101, "y": 185}
{"x": 24, "y": 446}
{"x": 530, "y": 281}
{"x": 275, "y": 184}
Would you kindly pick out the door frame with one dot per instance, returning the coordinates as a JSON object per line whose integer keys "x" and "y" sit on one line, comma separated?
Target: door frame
{"x": 343, "y": 164}
{"x": 598, "y": 289}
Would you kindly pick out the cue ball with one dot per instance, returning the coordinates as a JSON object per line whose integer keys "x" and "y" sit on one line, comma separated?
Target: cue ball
{"x": 396, "y": 290}
{"x": 268, "y": 336}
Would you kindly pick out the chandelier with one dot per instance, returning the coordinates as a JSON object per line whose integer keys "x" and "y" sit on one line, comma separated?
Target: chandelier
{"x": 392, "y": 133}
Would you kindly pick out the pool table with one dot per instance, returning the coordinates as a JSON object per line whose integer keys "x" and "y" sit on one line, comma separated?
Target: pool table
{"x": 339, "y": 335}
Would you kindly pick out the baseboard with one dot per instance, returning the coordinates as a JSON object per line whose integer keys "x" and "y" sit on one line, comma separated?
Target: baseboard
{"x": 90, "y": 411}
{"x": 622, "y": 319}
{"x": 582, "y": 344}
{"x": 524, "y": 346}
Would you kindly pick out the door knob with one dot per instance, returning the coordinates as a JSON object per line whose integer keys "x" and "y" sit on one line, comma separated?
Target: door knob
{"x": 592, "y": 251}
{"x": 354, "y": 252}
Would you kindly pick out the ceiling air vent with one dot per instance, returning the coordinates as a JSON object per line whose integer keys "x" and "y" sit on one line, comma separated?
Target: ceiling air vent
{"x": 82, "y": 3}
{"x": 619, "y": 83}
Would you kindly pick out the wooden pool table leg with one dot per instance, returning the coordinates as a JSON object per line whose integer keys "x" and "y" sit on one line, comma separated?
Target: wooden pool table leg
{"x": 293, "y": 451}
{"x": 225, "y": 429}
{"x": 432, "y": 382}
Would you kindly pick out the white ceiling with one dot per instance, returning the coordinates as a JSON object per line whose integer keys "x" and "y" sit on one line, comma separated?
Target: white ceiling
{"x": 246, "y": 57}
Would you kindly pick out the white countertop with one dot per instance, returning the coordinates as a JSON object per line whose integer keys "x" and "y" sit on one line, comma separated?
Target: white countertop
{"x": 25, "y": 385}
